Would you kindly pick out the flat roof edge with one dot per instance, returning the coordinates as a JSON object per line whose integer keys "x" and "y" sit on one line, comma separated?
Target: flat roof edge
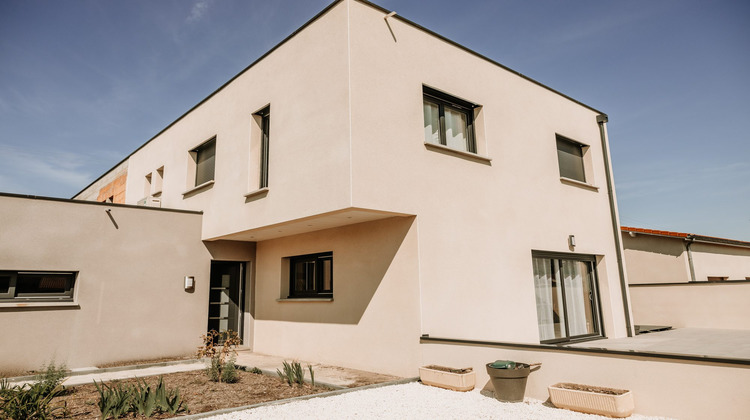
{"x": 97, "y": 203}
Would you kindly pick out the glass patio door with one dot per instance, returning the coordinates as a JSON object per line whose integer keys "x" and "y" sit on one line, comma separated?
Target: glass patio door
{"x": 566, "y": 300}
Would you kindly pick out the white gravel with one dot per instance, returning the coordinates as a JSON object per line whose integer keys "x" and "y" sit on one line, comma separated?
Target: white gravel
{"x": 411, "y": 401}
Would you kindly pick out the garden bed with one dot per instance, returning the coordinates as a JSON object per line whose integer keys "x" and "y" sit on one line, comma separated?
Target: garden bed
{"x": 196, "y": 390}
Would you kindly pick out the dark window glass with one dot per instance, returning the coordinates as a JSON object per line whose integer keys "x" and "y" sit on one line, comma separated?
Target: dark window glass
{"x": 265, "y": 126}
{"x": 4, "y": 284}
{"x": 36, "y": 286}
{"x": 205, "y": 161}
{"x": 448, "y": 121}
{"x": 311, "y": 275}
{"x": 570, "y": 159}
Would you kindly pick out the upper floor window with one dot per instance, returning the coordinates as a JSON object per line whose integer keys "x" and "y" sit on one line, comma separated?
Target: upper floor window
{"x": 265, "y": 128}
{"x": 205, "y": 162}
{"x": 36, "y": 286}
{"x": 570, "y": 158}
{"x": 448, "y": 121}
{"x": 311, "y": 275}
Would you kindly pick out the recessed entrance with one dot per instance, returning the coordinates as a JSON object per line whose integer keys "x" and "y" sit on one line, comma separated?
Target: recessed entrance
{"x": 226, "y": 296}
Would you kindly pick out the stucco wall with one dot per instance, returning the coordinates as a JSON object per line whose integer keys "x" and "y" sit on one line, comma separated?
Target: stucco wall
{"x": 478, "y": 220}
{"x": 94, "y": 192}
{"x": 305, "y": 82}
{"x": 372, "y": 322}
{"x": 720, "y": 261}
{"x": 701, "y": 305}
{"x": 130, "y": 297}
{"x": 670, "y": 388}
{"x": 660, "y": 259}
{"x": 655, "y": 259}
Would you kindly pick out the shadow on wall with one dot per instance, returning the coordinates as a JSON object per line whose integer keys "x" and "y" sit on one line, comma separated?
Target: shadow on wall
{"x": 363, "y": 257}
{"x": 657, "y": 245}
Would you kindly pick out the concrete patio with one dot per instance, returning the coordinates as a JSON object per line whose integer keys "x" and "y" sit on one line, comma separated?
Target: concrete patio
{"x": 733, "y": 345}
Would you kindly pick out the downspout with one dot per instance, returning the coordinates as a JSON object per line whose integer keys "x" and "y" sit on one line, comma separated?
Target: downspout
{"x": 602, "y": 119}
{"x": 688, "y": 242}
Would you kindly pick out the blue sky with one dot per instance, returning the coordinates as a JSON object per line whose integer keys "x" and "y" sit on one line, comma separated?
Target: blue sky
{"x": 83, "y": 83}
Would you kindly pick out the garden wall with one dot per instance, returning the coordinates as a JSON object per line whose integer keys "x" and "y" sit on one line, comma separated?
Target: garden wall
{"x": 129, "y": 300}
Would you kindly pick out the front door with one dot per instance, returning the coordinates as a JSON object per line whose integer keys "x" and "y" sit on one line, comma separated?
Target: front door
{"x": 225, "y": 297}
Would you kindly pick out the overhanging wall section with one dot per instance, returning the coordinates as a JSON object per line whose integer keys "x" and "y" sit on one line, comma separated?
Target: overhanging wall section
{"x": 130, "y": 302}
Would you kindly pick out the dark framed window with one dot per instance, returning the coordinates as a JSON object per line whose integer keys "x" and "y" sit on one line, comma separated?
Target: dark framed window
{"x": 205, "y": 162}
{"x": 570, "y": 158}
{"x": 265, "y": 128}
{"x": 448, "y": 121}
{"x": 40, "y": 286}
{"x": 567, "y": 300}
{"x": 311, "y": 275}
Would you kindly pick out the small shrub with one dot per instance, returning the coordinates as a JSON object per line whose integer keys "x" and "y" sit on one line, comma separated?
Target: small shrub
{"x": 52, "y": 375}
{"x": 142, "y": 399}
{"x": 312, "y": 375}
{"x": 114, "y": 399}
{"x": 33, "y": 401}
{"x": 256, "y": 371}
{"x": 292, "y": 373}
{"x": 229, "y": 372}
{"x": 220, "y": 359}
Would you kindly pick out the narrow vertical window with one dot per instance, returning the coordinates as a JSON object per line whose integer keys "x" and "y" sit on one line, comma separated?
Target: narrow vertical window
{"x": 265, "y": 128}
{"x": 205, "y": 162}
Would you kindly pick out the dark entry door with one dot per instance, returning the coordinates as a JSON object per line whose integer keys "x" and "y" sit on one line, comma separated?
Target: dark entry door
{"x": 225, "y": 298}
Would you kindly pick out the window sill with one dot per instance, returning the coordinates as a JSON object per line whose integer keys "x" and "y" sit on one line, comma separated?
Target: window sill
{"x": 198, "y": 188}
{"x": 459, "y": 153}
{"x": 257, "y": 193}
{"x": 576, "y": 183}
{"x": 22, "y": 304}
{"x": 321, "y": 299}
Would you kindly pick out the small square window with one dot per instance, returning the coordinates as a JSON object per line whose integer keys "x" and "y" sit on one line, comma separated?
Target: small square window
{"x": 205, "y": 162}
{"x": 311, "y": 275}
{"x": 448, "y": 121}
{"x": 570, "y": 158}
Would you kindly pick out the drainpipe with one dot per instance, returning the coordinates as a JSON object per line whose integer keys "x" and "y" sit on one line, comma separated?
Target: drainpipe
{"x": 602, "y": 119}
{"x": 688, "y": 242}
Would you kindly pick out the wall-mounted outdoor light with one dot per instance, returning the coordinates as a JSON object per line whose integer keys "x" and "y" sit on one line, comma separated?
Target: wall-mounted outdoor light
{"x": 189, "y": 283}
{"x": 572, "y": 241}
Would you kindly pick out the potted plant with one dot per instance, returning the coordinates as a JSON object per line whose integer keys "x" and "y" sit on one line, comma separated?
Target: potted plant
{"x": 449, "y": 378}
{"x": 509, "y": 379}
{"x": 592, "y": 399}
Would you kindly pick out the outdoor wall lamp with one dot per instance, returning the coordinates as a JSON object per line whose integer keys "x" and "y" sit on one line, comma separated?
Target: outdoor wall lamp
{"x": 189, "y": 283}
{"x": 572, "y": 241}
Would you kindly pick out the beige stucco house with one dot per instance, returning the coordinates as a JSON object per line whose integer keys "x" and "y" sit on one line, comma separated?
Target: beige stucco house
{"x": 367, "y": 194}
{"x": 389, "y": 184}
{"x": 687, "y": 280}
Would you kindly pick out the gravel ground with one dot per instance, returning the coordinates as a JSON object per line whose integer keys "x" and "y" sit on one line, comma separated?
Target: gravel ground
{"x": 412, "y": 401}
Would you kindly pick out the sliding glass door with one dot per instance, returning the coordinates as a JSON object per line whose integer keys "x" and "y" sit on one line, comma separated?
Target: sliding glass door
{"x": 566, "y": 297}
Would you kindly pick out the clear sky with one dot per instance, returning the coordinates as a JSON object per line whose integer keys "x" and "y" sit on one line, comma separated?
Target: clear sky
{"x": 84, "y": 83}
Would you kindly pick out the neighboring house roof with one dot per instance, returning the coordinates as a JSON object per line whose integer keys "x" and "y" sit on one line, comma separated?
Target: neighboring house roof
{"x": 692, "y": 237}
{"x": 308, "y": 23}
